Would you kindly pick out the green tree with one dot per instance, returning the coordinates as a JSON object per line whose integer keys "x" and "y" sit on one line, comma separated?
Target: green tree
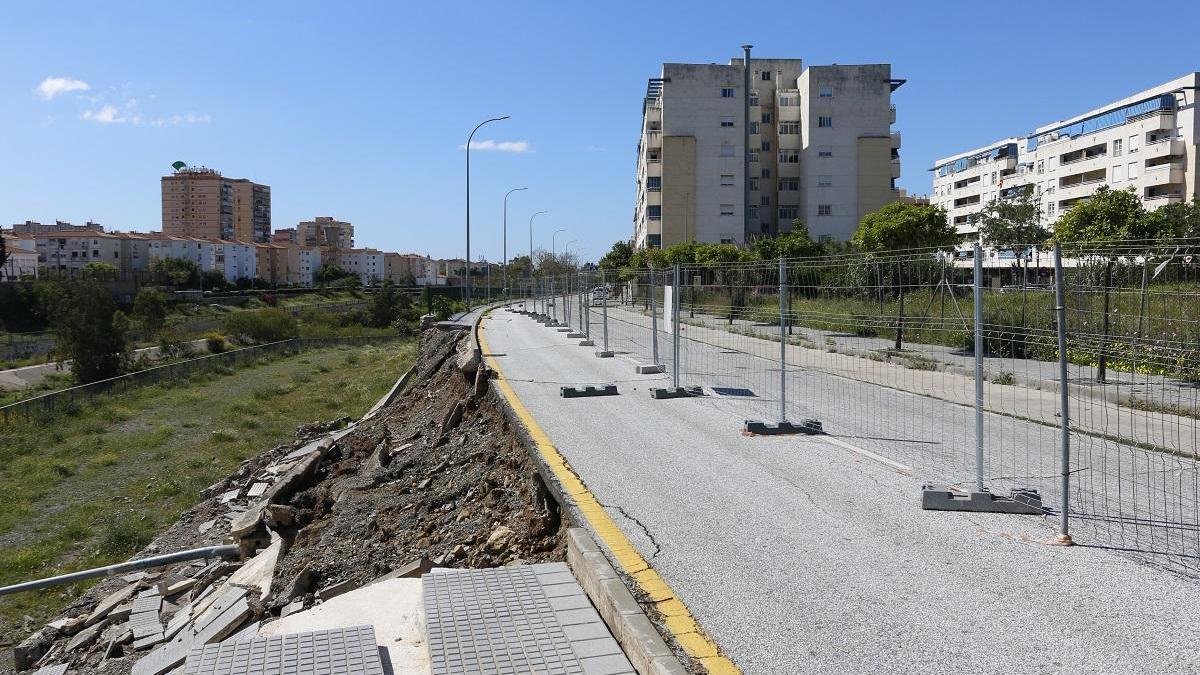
{"x": 617, "y": 257}
{"x": 719, "y": 258}
{"x": 3, "y": 251}
{"x": 386, "y": 305}
{"x": 1013, "y": 224}
{"x": 213, "y": 280}
{"x": 519, "y": 267}
{"x": 1108, "y": 216}
{"x": 330, "y": 273}
{"x": 901, "y": 226}
{"x": 795, "y": 244}
{"x": 1175, "y": 221}
{"x": 150, "y": 309}
{"x": 87, "y": 327}
{"x": 175, "y": 272}
{"x": 100, "y": 270}
{"x": 680, "y": 254}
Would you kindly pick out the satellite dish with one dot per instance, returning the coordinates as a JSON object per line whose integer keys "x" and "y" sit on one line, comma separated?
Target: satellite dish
{"x": 179, "y": 166}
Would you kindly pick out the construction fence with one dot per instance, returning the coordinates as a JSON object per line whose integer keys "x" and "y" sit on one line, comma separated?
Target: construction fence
{"x": 1078, "y": 378}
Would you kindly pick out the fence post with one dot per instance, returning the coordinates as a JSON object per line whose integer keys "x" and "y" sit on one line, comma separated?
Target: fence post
{"x": 605, "y": 352}
{"x": 675, "y": 330}
{"x": 782, "y": 341}
{"x": 978, "y": 293}
{"x": 653, "y": 321}
{"x": 1102, "y": 361}
{"x": 1064, "y": 398}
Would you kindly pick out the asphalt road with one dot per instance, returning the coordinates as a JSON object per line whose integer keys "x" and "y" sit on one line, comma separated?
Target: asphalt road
{"x": 811, "y": 554}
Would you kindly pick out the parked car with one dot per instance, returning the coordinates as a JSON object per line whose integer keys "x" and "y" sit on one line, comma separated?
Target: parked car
{"x": 600, "y": 294}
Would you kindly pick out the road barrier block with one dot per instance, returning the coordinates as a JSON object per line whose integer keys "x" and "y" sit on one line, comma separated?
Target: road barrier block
{"x": 675, "y": 392}
{"x": 604, "y": 354}
{"x": 651, "y": 369}
{"x": 579, "y": 392}
{"x": 809, "y": 426}
{"x": 1020, "y": 500}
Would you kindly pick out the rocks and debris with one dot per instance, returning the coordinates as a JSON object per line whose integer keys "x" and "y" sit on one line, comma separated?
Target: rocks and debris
{"x": 438, "y": 478}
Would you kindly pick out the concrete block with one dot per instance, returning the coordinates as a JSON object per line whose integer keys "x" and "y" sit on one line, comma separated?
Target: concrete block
{"x": 574, "y": 335}
{"x": 675, "y": 392}
{"x": 580, "y": 392}
{"x": 604, "y": 354}
{"x": 334, "y": 590}
{"x": 109, "y": 603}
{"x": 650, "y": 369}
{"x": 587, "y": 343}
{"x": 1023, "y": 501}
{"x": 809, "y": 426}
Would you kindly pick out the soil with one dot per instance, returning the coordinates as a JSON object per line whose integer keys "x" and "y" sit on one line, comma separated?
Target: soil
{"x": 418, "y": 480}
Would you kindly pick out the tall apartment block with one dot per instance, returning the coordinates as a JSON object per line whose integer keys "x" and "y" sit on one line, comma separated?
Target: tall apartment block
{"x": 1147, "y": 142}
{"x": 200, "y": 202}
{"x": 325, "y": 231}
{"x": 821, "y": 150}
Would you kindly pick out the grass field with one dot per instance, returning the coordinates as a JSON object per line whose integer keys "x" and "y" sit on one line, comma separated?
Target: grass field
{"x": 91, "y": 488}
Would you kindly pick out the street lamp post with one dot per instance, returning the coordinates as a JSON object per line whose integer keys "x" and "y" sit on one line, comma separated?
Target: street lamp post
{"x": 553, "y": 252}
{"x": 504, "y": 239}
{"x": 467, "y": 281}
{"x": 531, "y": 240}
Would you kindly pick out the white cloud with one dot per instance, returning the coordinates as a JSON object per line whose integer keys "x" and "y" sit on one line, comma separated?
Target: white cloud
{"x": 501, "y": 146}
{"x": 105, "y": 115}
{"x": 177, "y": 120}
{"x": 53, "y": 86}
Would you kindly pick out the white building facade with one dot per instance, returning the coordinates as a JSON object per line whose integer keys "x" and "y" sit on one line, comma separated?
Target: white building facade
{"x": 820, "y": 150}
{"x": 1146, "y": 142}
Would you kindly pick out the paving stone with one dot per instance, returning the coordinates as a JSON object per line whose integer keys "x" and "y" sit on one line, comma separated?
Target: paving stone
{"x": 352, "y": 651}
{"x": 144, "y": 624}
{"x": 147, "y": 603}
{"x": 148, "y": 641}
{"x": 58, "y": 669}
{"x": 613, "y": 664}
{"x": 257, "y": 490}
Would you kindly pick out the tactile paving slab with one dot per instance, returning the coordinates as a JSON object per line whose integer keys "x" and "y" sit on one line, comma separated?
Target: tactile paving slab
{"x": 340, "y": 651}
{"x": 513, "y": 620}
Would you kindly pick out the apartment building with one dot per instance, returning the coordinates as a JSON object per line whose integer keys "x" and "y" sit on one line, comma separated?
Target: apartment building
{"x": 325, "y": 231}
{"x": 1147, "y": 142}
{"x": 72, "y": 250}
{"x": 200, "y": 202}
{"x": 34, "y": 227}
{"x": 821, "y": 149}
{"x": 22, "y": 258}
{"x": 368, "y": 263}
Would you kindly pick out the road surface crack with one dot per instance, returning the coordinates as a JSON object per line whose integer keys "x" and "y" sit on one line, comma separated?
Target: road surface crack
{"x": 642, "y": 526}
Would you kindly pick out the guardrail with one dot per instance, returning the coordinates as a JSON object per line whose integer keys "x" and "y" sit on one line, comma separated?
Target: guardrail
{"x": 51, "y": 402}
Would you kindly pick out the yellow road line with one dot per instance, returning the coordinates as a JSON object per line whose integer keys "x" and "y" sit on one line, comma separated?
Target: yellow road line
{"x": 678, "y": 619}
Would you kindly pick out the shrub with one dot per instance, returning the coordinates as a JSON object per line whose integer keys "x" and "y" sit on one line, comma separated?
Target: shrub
{"x": 215, "y": 342}
{"x": 261, "y": 325}
{"x": 444, "y": 307}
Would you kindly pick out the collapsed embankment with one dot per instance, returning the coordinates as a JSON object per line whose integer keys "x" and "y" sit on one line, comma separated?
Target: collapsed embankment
{"x": 438, "y": 477}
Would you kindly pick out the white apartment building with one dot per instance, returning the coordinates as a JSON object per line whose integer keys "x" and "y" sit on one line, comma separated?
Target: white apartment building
{"x": 235, "y": 259}
{"x": 367, "y": 263}
{"x": 72, "y": 250}
{"x": 309, "y": 264}
{"x": 1147, "y": 141}
{"x": 821, "y": 149}
{"x": 22, "y": 258}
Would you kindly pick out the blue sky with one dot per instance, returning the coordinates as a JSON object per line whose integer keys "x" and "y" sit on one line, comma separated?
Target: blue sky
{"x": 359, "y": 110}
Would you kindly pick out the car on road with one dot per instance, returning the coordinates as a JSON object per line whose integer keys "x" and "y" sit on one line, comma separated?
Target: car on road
{"x": 600, "y": 294}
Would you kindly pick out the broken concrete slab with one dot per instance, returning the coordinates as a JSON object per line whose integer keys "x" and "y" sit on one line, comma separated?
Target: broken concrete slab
{"x": 107, "y": 604}
{"x": 179, "y": 587}
{"x": 248, "y": 521}
{"x": 32, "y": 648}
{"x": 67, "y": 626}
{"x": 207, "y": 525}
{"x": 56, "y": 669}
{"x": 259, "y": 571}
{"x": 334, "y": 590}
{"x": 414, "y": 568}
{"x": 257, "y": 490}
{"x": 147, "y": 602}
{"x": 148, "y": 641}
{"x": 87, "y": 635}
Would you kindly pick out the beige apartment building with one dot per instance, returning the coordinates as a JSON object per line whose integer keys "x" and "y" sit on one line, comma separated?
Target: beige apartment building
{"x": 200, "y": 202}
{"x": 325, "y": 231}
{"x": 820, "y": 149}
{"x": 1147, "y": 142}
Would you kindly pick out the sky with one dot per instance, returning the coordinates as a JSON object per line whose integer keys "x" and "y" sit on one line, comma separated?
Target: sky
{"x": 360, "y": 110}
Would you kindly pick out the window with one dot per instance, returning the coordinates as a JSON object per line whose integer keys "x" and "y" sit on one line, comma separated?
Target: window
{"x": 754, "y": 98}
{"x": 824, "y": 209}
{"x": 787, "y": 213}
{"x": 753, "y": 212}
{"x": 753, "y": 183}
{"x": 727, "y": 92}
{"x": 789, "y": 156}
{"x": 753, "y": 157}
{"x": 765, "y": 200}
{"x": 789, "y": 128}
{"x": 754, "y": 127}
{"x": 993, "y": 178}
{"x": 789, "y": 184}
{"x": 824, "y": 181}
{"x": 1133, "y": 146}
{"x": 824, "y": 121}
{"x": 766, "y": 173}
{"x": 1117, "y": 147}
{"x": 1041, "y": 167}
{"x": 727, "y": 121}
{"x": 726, "y": 179}
{"x": 654, "y": 212}
{"x": 727, "y": 149}
{"x": 824, "y": 151}
{"x": 766, "y": 75}
{"x": 826, "y": 91}
{"x": 766, "y": 146}
{"x": 1050, "y": 209}
{"x": 652, "y": 156}
{"x": 789, "y": 100}
{"x": 727, "y": 209}
{"x": 1118, "y": 173}
{"x": 766, "y": 118}
{"x": 728, "y": 239}
{"x": 654, "y": 183}
{"x": 1133, "y": 170}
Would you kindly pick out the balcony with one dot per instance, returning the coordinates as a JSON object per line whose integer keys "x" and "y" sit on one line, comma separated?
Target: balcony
{"x": 1168, "y": 172}
{"x": 1084, "y": 178}
{"x": 1164, "y": 147}
{"x": 1157, "y": 195}
{"x": 892, "y": 113}
{"x": 1082, "y": 155}
{"x": 895, "y": 168}
{"x": 895, "y": 140}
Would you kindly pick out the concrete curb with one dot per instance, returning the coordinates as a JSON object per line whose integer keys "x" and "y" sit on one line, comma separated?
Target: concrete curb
{"x": 631, "y": 627}
{"x": 390, "y": 397}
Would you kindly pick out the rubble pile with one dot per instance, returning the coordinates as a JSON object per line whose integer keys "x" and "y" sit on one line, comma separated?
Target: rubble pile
{"x": 437, "y": 478}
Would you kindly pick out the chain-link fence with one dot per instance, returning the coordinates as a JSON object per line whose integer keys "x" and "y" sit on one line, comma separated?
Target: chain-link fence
{"x": 948, "y": 366}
